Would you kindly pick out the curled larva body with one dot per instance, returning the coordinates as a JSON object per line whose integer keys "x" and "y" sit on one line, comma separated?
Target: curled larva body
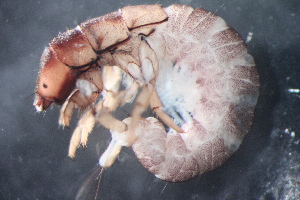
{"x": 211, "y": 85}
{"x": 194, "y": 71}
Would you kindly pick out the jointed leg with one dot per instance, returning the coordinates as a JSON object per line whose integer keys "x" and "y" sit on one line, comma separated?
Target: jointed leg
{"x": 80, "y": 135}
{"x": 103, "y": 108}
{"x": 156, "y": 105}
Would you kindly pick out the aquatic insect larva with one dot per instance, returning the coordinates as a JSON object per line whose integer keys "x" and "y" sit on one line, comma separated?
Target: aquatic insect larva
{"x": 191, "y": 68}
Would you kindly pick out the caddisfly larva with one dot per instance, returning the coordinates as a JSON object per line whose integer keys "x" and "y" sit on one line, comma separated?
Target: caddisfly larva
{"x": 193, "y": 71}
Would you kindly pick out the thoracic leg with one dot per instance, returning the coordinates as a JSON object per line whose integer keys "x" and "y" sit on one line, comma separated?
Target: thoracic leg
{"x": 122, "y": 132}
{"x": 88, "y": 88}
{"x": 80, "y": 135}
{"x": 149, "y": 71}
{"x": 110, "y": 154}
{"x": 119, "y": 139}
{"x": 104, "y": 117}
{"x": 102, "y": 114}
{"x": 156, "y": 105}
{"x": 80, "y": 98}
{"x": 142, "y": 103}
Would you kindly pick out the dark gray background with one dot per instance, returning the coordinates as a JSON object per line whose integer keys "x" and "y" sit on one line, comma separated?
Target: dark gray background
{"x": 33, "y": 149}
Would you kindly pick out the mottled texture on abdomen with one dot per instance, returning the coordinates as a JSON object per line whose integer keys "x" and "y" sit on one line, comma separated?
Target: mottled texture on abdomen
{"x": 208, "y": 84}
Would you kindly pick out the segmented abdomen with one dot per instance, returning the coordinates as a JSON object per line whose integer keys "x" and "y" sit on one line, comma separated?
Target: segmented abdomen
{"x": 208, "y": 84}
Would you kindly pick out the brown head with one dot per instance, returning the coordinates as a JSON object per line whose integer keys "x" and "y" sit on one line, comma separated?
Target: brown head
{"x": 55, "y": 81}
{"x": 61, "y": 62}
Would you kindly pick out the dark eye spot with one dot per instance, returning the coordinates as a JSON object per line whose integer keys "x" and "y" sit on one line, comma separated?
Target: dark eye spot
{"x": 44, "y": 85}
